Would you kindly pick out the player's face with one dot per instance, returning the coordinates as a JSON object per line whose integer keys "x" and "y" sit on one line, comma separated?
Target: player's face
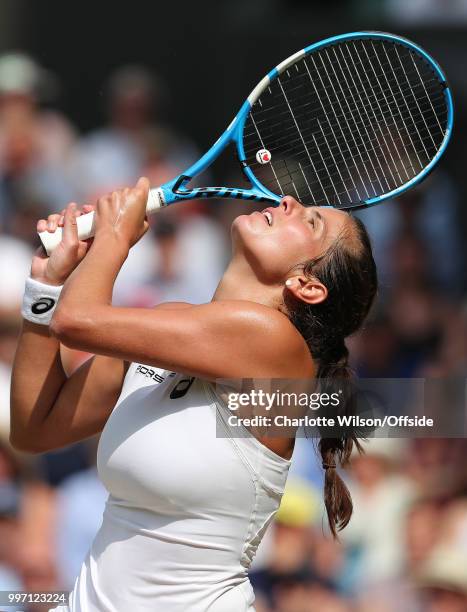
{"x": 278, "y": 238}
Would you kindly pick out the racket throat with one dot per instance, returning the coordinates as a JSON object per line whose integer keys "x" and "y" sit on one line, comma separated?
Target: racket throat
{"x": 182, "y": 180}
{"x": 213, "y": 192}
{"x": 180, "y": 189}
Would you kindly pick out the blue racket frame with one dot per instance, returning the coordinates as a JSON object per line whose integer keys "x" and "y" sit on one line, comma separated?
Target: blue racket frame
{"x": 176, "y": 189}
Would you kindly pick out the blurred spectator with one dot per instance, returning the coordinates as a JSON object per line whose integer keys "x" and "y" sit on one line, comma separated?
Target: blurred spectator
{"x": 410, "y": 262}
{"x": 443, "y": 580}
{"x": 381, "y": 494}
{"x": 34, "y": 143}
{"x": 15, "y": 264}
{"x": 37, "y": 561}
{"x": 10, "y": 542}
{"x": 455, "y": 525}
{"x": 165, "y": 265}
{"x": 451, "y": 356}
{"x": 80, "y": 504}
{"x": 302, "y": 595}
{"x": 421, "y": 532}
{"x": 305, "y": 462}
{"x": 289, "y": 543}
{"x": 407, "y": 335}
{"x": 415, "y": 313}
{"x": 374, "y": 350}
{"x": 134, "y": 140}
{"x": 425, "y": 223}
{"x": 438, "y": 467}
{"x": 435, "y": 12}
{"x": 9, "y": 330}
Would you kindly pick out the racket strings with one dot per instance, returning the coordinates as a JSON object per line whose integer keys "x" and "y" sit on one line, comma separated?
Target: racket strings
{"x": 349, "y": 122}
{"x": 287, "y": 141}
{"x": 348, "y": 90}
{"x": 279, "y": 116}
{"x": 367, "y": 156}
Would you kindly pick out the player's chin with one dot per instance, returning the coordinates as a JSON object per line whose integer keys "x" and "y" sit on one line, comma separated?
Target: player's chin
{"x": 252, "y": 223}
{"x": 242, "y": 232}
{"x": 240, "y": 225}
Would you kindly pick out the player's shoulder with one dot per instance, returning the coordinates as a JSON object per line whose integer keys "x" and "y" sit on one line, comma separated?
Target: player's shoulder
{"x": 248, "y": 311}
{"x": 263, "y": 327}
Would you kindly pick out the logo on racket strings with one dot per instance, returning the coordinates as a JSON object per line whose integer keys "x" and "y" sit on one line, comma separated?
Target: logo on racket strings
{"x": 43, "y": 305}
{"x": 263, "y": 156}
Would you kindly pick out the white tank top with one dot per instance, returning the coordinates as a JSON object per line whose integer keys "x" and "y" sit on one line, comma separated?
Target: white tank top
{"x": 186, "y": 508}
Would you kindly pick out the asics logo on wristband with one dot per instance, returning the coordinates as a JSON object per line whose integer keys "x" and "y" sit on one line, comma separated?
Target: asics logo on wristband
{"x": 43, "y": 305}
{"x": 39, "y": 301}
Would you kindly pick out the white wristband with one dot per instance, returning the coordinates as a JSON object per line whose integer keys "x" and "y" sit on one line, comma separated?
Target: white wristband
{"x": 39, "y": 301}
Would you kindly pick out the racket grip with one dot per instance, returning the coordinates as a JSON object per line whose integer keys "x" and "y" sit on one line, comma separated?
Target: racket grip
{"x": 85, "y": 223}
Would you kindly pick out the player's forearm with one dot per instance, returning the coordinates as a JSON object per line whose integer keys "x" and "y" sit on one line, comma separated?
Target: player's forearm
{"x": 91, "y": 283}
{"x": 87, "y": 295}
{"x": 37, "y": 378}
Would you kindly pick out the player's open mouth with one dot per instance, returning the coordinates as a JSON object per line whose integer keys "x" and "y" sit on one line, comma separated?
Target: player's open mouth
{"x": 268, "y": 216}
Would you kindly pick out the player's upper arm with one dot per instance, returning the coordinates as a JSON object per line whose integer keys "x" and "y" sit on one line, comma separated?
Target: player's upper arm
{"x": 221, "y": 339}
{"x": 84, "y": 403}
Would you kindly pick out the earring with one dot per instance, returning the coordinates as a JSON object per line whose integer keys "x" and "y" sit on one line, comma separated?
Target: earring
{"x": 289, "y": 282}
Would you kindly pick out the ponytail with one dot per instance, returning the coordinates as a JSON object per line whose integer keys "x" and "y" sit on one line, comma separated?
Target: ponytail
{"x": 348, "y": 271}
{"x": 337, "y": 451}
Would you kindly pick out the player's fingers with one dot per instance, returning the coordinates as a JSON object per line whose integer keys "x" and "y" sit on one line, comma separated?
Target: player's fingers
{"x": 62, "y": 217}
{"x": 116, "y": 199}
{"x": 42, "y": 225}
{"x": 83, "y": 247}
{"x": 142, "y": 185}
{"x": 70, "y": 228}
{"x": 52, "y": 222}
{"x": 103, "y": 202}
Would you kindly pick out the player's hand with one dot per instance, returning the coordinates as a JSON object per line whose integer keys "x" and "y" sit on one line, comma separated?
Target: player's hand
{"x": 122, "y": 214}
{"x": 54, "y": 270}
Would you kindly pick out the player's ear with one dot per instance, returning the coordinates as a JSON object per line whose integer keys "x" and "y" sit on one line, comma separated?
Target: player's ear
{"x": 309, "y": 290}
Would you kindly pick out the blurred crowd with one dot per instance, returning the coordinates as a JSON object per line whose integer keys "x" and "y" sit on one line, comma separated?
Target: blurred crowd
{"x": 405, "y": 549}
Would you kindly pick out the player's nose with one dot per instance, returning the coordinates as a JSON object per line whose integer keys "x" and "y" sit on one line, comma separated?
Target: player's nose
{"x": 289, "y": 205}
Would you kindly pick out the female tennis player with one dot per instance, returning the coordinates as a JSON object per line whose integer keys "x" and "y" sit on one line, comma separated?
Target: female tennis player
{"x": 186, "y": 508}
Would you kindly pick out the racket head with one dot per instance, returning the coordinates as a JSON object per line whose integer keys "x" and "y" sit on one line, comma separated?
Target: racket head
{"x": 347, "y": 122}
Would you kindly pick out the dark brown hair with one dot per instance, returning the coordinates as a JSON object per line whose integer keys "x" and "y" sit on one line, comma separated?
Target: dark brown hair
{"x": 348, "y": 271}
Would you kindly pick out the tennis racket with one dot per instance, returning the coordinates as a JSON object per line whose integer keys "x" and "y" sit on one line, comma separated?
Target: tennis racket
{"x": 346, "y": 122}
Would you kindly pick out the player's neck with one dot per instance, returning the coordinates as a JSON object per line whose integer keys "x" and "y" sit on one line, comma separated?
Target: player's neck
{"x": 239, "y": 283}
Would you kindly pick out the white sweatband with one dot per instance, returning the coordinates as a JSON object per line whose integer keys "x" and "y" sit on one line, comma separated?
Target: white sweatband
{"x": 39, "y": 301}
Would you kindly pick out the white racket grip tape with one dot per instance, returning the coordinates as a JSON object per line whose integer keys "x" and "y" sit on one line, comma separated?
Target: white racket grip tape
{"x": 156, "y": 200}
{"x": 85, "y": 223}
